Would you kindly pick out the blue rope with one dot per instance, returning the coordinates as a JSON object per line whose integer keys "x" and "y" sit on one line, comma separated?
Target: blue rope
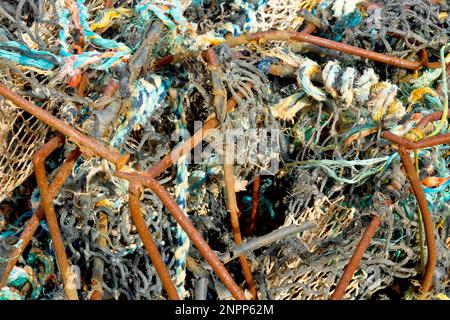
{"x": 147, "y": 96}
{"x": 28, "y": 57}
{"x": 94, "y": 37}
{"x": 249, "y": 10}
{"x": 146, "y": 9}
{"x": 181, "y": 190}
{"x": 44, "y": 60}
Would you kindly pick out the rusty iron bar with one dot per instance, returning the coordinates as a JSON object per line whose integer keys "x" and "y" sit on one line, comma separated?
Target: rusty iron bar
{"x": 47, "y": 118}
{"x": 98, "y": 267}
{"x": 282, "y": 35}
{"x": 309, "y": 28}
{"x": 197, "y": 239}
{"x": 219, "y": 93}
{"x": 50, "y": 215}
{"x": 111, "y": 88}
{"x": 190, "y": 230}
{"x": 255, "y": 204}
{"x": 416, "y": 185}
{"x": 108, "y": 95}
{"x": 33, "y": 223}
{"x": 355, "y": 260}
{"x": 87, "y": 144}
{"x": 149, "y": 243}
{"x": 174, "y": 59}
{"x": 431, "y": 117}
{"x": 233, "y": 210}
{"x": 181, "y": 150}
{"x": 83, "y": 84}
{"x": 426, "y": 63}
{"x": 220, "y": 100}
{"x": 425, "y": 143}
{"x": 285, "y": 70}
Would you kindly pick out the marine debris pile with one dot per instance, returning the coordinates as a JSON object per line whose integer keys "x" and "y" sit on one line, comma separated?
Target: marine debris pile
{"x": 227, "y": 149}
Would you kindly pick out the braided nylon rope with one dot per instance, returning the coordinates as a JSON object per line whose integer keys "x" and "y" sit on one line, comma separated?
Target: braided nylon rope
{"x": 181, "y": 188}
{"x": 147, "y": 97}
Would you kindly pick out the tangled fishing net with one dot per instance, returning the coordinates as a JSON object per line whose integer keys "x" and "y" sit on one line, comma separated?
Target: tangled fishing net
{"x": 306, "y": 128}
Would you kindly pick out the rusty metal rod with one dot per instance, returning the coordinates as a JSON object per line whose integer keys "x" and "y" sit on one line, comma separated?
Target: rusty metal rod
{"x": 282, "y": 70}
{"x": 416, "y": 185}
{"x": 31, "y": 226}
{"x": 355, "y": 260}
{"x": 148, "y": 180}
{"x": 83, "y": 84}
{"x": 431, "y": 117}
{"x": 191, "y": 142}
{"x": 50, "y": 216}
{"x": 108, "y": 154}
{"x": 98, "y": 267}
{"x": 426, "y": 63}
{"x": 282, "y": 35}
{"x": 219, "y": 93}
{"x": 425, "y": 143}
{"x": 309, "y": 28}
{"x": 181, "y": 150}
{"x": 173, "y": 59}
{"x": 149, "y": 244}
{"x": 220, "y": 100}
{"x": 108, "y": 95}
{"x": 234, "y": 210}
{"x": 196, "y": 238}
{"x": 255, "y": 204}
{"x": 87, "y": 144}
{"x": 419, "y": 193}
